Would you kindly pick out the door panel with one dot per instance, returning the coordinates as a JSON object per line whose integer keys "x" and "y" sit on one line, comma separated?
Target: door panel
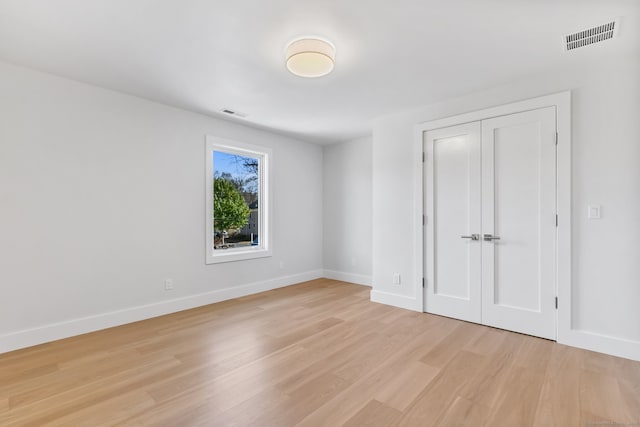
{"x": 452, "y": 192}
{"x": 517, "y": 215}
{"x": 518, "y": 206}
{"x": 453, "y": 210}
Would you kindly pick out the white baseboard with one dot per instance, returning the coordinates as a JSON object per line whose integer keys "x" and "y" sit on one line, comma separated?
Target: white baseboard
{"x": 43, "y": 334}
{"x": 26, "y": 338}
{"x": 359, "y": 279}
{"x": 614, "y": 346}
{"x": 396, "y": 300}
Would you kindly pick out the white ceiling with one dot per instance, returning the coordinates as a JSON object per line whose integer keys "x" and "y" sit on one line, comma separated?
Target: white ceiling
{"x": 207, "y": 55}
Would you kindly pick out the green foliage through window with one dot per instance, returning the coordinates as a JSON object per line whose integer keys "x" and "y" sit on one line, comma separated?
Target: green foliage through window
{"x": 230, "y": 211}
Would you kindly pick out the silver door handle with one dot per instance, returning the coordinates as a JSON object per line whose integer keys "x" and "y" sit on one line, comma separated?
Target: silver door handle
{"x": 472, "y": 237}
{"x": 490, "y": 237}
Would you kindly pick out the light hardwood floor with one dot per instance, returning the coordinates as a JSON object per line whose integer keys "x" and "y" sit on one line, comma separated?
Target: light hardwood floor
{"x": 315, "y": 354}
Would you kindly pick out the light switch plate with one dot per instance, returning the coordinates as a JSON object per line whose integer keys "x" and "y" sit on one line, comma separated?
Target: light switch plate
{"x": 593, "y": 212}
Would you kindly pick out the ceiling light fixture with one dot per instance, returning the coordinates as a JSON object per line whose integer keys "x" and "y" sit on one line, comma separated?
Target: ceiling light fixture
{"x": 310, "y": 57}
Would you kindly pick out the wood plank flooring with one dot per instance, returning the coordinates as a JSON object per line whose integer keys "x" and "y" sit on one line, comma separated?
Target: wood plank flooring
{"x": 314, "y": 354}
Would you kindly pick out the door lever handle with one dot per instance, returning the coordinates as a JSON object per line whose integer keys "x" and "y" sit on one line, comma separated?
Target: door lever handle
{"x": 472, "y": 237}
{"x": 490, "y": 237}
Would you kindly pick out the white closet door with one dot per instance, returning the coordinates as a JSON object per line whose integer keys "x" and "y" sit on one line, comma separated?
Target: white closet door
{"x": 519, "y": 208}
{"x": 453, "y": 215}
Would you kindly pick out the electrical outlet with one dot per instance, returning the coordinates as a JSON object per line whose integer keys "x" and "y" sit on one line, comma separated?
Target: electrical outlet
{"x": 281, "y": 265}
{"x": 168, "y": 284}
{"x": 396, "y": 278}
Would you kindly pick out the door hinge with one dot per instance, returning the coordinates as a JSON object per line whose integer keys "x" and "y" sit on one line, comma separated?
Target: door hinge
{"x": 556, "y": 303}
{"x": 423, "y": 281}
{"x": 424, "y": 156}
{"x": 556, "y": 138}
{"x": 424, "y": 219}
{"x": 556, "y": 220}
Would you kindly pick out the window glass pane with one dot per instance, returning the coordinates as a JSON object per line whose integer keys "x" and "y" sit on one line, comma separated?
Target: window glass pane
{"x": 236, "y": 204}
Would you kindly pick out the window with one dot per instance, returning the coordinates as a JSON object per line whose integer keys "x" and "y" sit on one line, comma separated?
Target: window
{"x": 237, "y": 201}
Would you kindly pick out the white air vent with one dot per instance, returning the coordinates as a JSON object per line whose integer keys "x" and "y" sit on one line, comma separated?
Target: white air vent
{"x": 590, "y": 36}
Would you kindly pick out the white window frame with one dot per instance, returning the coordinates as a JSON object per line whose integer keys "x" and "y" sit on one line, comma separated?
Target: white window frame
{"x": 263, "y": 249}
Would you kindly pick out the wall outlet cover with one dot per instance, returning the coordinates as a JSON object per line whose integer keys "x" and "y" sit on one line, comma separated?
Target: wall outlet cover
{"x": 396, "y": 278}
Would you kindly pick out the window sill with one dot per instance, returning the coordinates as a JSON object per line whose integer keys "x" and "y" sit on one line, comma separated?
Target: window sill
{"x": 230, "y": 255}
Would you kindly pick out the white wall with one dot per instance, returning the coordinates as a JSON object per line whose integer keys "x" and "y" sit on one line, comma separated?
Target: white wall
{"x": 102, "y": 198}
{"x": 605, "y": 171}
{"x": 347, "y": 217}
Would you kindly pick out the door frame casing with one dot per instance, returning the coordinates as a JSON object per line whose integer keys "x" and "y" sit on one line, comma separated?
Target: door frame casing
{"x": 562, "y": 102}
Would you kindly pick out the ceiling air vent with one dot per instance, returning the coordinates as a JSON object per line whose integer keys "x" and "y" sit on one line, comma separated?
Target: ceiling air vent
{"x": 592, "y": 35}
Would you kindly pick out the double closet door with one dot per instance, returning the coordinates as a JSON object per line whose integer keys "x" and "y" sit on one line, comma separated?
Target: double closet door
{"x": 490, "y": 254}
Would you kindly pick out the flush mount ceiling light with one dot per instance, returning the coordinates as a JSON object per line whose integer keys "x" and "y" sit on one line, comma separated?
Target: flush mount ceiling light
{"x": 310, "y": 57}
